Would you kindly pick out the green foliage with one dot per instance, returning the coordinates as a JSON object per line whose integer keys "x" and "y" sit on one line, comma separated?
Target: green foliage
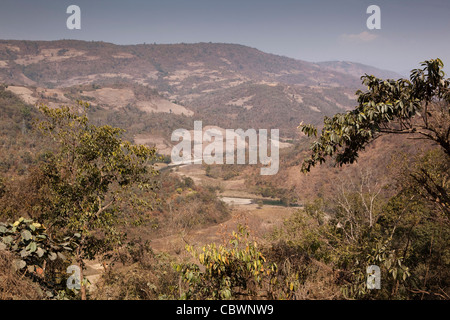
{"x": 230, "y": 272}
{"x": 88, "y": 175}
{"x": 29, "y": 241}
{"x": 407, "y": 235}
{"x": 307, "y": 234}
{"x": 89, "y": 178}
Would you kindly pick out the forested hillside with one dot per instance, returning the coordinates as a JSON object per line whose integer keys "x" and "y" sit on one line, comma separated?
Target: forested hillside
{"x": 86, "y": 185}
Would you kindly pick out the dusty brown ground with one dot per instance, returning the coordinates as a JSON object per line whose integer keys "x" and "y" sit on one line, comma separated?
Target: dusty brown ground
{"x": 260, "y": 220}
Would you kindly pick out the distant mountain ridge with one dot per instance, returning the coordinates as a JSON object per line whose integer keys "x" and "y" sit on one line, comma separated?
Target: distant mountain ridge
{"x": 68, "y": 62}
{"x": 229, "y": 85}
{"x": 357, "y": 69}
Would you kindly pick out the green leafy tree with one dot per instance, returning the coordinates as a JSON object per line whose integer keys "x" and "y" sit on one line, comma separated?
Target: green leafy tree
{"x": 405, "y": 236}
{"x": 419, "y": 212}
{"x": 89, "y": 174}
{"x": 419, "y": 107}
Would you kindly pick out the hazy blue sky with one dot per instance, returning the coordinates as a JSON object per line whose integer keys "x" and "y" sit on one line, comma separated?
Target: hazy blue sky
{"x": 320, "y": 30}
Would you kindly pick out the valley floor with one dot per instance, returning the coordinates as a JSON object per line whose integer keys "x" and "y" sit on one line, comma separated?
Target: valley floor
{"x": 260, "y": 219}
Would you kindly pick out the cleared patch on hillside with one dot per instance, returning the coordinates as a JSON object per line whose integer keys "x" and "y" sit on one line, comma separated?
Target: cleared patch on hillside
{"x": 24, "y": 93}
{"x": 298, "y": 98}
{"x": 163, "y": 105}
{"x": 242, "y": 102}
{"x": 52, "y": 94}
{"x": 119, "y": 98}
{"x": 161, "y": 144}
{"x": 123, "y": 55}
{"x": 52, "y": 55}
{"x": 113, "y": 97}
{"x": 9, "y": 47}
{"x": 313, "y": 108}
{"x": 351, "y": 96}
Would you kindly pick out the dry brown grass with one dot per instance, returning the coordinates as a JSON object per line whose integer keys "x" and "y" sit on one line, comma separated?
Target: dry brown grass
{"x": 320, "y": 285}
{"x": 14, "y": 286}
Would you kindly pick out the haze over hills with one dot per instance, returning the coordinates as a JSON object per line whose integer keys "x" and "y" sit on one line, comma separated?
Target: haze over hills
{"x": 358, "y": 69}
{"x": 69, "y": 62}
{"x": 227, "y": 85}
